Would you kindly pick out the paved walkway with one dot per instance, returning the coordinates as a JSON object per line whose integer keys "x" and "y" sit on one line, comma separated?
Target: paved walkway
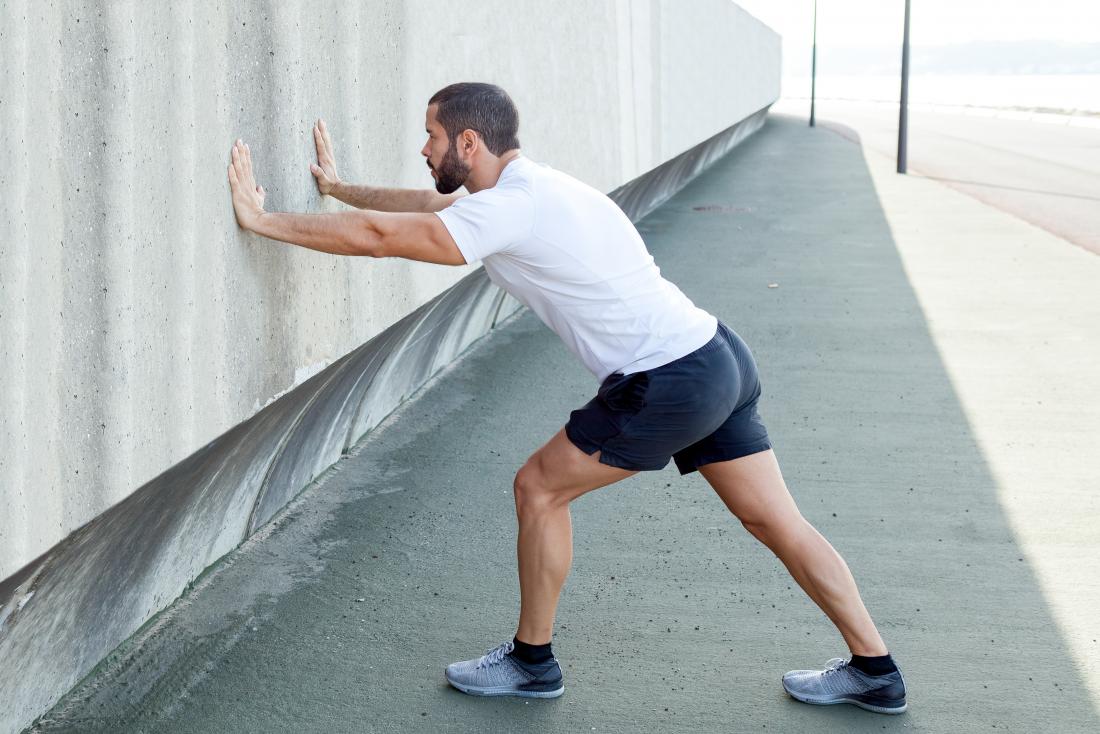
{"x": 1042, "y": 168}
{"x": 929, "y": 368}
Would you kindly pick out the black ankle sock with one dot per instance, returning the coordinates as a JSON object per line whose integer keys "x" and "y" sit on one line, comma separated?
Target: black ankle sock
{"x": 881, "y": 665}
{"x": 531, "y": 654}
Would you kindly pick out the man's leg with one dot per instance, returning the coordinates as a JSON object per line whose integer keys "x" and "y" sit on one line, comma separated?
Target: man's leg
{"x": 554, "y": 476}
{"x": 753, "y": 489}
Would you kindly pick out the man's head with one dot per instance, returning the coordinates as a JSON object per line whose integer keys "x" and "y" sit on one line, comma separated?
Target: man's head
{"x": 468, "y": 124}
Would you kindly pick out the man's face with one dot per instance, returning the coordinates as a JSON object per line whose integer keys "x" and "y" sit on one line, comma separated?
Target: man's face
{"x": 447, "y": 169}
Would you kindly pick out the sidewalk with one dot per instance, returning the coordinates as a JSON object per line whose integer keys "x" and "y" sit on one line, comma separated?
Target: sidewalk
{"x": 1048, "y": 175}
{"x": 929, "y": 370}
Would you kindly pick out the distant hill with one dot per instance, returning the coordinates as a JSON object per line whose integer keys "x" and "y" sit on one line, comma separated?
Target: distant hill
{"x": 979, "y": 57}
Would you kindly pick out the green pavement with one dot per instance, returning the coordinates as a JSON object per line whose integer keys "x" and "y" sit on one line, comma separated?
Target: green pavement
{"x": 879, "y": 378}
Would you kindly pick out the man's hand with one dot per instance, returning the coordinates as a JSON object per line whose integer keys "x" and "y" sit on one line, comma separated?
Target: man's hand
{"x": 324, "y": 170}
{"x": 248, "y": 198}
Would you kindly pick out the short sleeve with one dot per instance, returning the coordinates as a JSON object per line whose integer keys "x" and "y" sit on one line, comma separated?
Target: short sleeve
{"x": 489, "y": 221}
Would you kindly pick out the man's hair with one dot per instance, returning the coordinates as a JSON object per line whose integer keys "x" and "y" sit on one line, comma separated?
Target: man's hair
{"x": 484, "y": 108}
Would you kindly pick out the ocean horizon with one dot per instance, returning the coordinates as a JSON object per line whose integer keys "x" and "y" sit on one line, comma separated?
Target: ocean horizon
{"x": 1061, "y": 93}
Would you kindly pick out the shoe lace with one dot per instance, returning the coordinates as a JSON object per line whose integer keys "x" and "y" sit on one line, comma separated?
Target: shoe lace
{"x": 495, "y": 655}
{"x": 834, "y": 665}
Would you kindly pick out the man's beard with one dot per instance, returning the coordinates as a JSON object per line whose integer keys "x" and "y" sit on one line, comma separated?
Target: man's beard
{"x": 451, "y": 173}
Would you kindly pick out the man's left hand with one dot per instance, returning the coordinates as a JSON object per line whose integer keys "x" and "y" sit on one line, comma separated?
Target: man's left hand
{"x": 248, "y": 197}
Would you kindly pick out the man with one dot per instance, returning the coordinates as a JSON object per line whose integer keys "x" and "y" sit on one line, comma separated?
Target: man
{"x": 675, "y": 382}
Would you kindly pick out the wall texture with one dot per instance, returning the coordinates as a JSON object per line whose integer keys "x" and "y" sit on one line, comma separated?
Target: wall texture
{"x": 141, "y": 332}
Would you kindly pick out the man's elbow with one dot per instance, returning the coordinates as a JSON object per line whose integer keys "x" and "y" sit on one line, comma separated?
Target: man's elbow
{"x": 370, "y": 247}
{"x": 369, "y": 239}
{"x": 382, "y": 244}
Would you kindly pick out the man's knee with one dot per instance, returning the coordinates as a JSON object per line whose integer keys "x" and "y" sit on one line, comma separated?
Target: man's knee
{"x": 532, "y": 491}
{"x": 777, "y": 532}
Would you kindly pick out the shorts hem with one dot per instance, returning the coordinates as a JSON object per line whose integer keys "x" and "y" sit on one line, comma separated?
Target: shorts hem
{"x": 729, "y": 454}
{"x": 617, "y": 461}
{"x": 590, "y": 447}
{"x": 581, "y": 441}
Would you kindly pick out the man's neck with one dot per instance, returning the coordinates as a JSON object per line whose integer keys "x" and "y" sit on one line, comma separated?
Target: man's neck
{"x": 488, "y": 178}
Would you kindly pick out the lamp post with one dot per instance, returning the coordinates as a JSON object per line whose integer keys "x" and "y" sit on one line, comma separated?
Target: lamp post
{"x": 813, "y": 68}
{"x": 903, "y": 117}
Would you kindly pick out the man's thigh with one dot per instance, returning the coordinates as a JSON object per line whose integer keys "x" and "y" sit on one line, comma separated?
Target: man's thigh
{"x": 753, "y": 489}
{"x": 562, "y": 469}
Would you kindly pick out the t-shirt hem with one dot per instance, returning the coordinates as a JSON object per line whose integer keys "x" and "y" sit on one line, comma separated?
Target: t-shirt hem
{"x": 658, "y": 360}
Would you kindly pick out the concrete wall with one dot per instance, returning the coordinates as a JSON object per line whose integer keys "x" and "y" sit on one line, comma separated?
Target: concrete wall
{"x": 137, "y": 322}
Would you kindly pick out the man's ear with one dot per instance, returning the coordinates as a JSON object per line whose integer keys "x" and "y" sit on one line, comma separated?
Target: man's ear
{"x": 468, "y": 142}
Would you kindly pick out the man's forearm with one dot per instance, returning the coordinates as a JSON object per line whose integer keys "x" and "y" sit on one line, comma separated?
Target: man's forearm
{"x": 391, "y": 200}
{"x": 341, "y": 233}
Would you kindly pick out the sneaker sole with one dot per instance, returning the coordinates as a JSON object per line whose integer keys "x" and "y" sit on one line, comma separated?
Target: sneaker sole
{"x": 505, "y": 691}
{"x": 855, "y": 702}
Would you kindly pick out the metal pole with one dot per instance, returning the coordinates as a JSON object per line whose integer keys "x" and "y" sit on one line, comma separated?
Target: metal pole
{"x": 813, "y": 69}
{"x": 903, "y": 118}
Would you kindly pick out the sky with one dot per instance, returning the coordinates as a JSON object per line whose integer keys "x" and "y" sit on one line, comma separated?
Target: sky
{"x": 846, "y": 23}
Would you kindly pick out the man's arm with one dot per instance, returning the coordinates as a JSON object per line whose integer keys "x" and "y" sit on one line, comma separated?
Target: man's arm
{"x": 392, "y": 200}
{"x": 375, "y": 234}
{"x": 421, "y": 237}
{"x": 368, "y": 197}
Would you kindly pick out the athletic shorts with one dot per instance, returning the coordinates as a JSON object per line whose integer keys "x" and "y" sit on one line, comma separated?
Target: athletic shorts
{"x": 698, "y": 409}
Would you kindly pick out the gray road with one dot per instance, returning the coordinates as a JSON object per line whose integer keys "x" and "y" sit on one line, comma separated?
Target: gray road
{"x": 1046, "y": 174}
{"x": 342, "y": 615}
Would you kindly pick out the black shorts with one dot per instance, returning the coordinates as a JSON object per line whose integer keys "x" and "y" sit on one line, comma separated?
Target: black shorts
{"x": 698, "y": 409}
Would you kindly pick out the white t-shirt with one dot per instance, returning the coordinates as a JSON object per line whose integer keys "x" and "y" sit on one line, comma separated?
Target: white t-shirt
{"x": 566, "y": 251}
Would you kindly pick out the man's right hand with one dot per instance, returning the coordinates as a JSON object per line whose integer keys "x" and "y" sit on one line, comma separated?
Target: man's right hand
{"x": 324, "y": 170}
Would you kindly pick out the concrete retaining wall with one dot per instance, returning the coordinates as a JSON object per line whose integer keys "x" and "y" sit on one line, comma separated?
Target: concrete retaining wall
{"x": 138, "y": 324}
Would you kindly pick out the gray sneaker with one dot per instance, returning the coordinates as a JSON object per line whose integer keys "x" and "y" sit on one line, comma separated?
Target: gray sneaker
{"x": 841, "y": 683}
{"x": 499, "y": 674}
